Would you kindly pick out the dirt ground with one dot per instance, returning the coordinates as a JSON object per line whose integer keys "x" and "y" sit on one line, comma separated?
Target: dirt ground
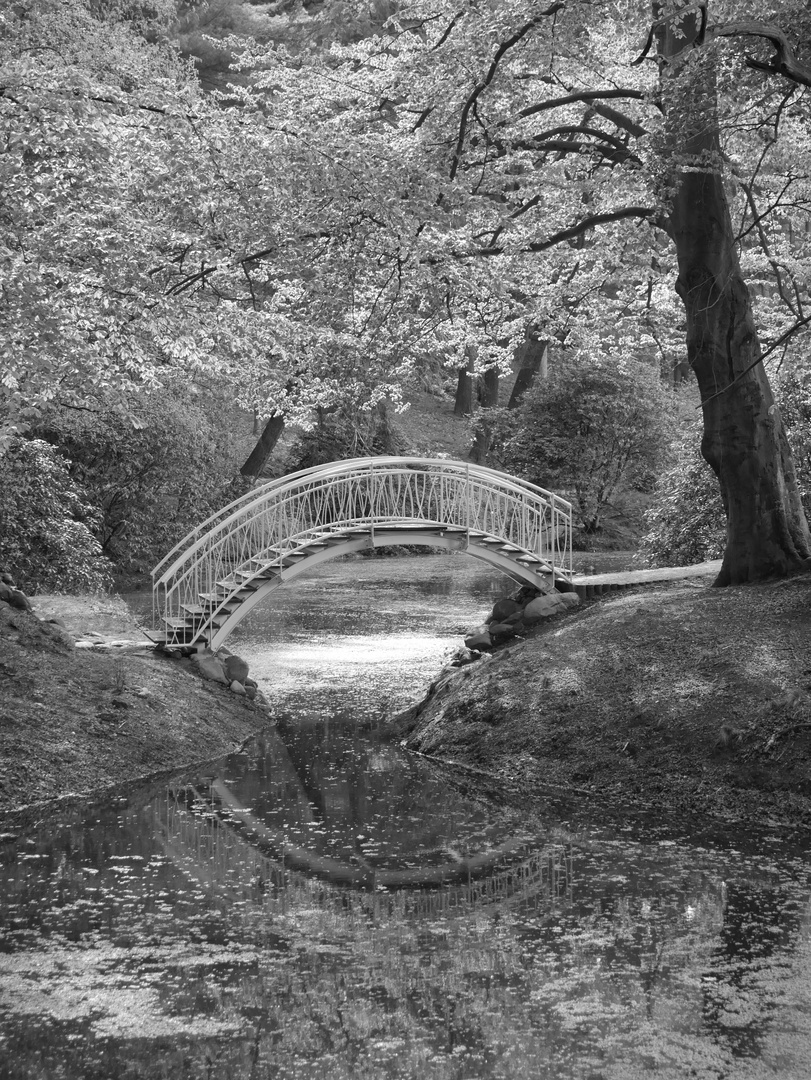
{"x": 676, "y": 697}
{"x": 76, "y": 718}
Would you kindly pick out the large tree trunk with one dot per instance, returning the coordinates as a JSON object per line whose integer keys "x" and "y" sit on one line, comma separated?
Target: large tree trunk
{"x": 744, "y": 440}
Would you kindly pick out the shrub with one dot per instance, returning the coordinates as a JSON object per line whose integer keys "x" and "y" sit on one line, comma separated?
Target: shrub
{"x": 685, "y": 524}
{"x": 46, "y": 536}
{"x": 590, "y": 429}
{"x": 154, "y": 466}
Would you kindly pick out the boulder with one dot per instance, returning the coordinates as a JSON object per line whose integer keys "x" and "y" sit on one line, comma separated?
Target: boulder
{"x": 211, "y": 667}
{"x": 544, "y": 606}
{"x": 236, "y": 669}
{"x": 238, "y": 688}
{"x": 14, "y": 597}
{"x": 516, "y": 617}
{"x": 500, "y": 631}
{"x": 503, "y": 609}
{"x": 570, "y": 599}
{"x": 481, "y": 642}
{"x": 250, "y": 692}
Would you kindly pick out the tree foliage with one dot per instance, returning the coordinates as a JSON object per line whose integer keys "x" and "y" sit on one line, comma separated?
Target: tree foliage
{"x": 378, "y": 190}
{"x": 47, "y": 539}
{"x": 153, "y": 472}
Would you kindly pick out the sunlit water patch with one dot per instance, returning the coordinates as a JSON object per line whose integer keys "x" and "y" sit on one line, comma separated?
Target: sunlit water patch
{"x": 329, "y": 906}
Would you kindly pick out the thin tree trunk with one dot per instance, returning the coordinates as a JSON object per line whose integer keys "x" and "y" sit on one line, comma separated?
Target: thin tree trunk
{"x": 488, "y": 399}
{"x": 744, "y": 440}
{"x": 257, "y": 459}
{"x": 532, "y": 356}
{"x": 463, "y": 406}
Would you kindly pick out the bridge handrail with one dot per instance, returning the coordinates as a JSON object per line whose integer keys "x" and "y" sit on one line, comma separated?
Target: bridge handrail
{"x": 283, "y": 485}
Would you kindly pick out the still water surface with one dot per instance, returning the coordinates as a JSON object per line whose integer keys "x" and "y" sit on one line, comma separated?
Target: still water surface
{"x": 328, "y": 906}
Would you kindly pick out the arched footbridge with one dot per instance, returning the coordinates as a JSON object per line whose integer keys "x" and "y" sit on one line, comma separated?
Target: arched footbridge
{"x": 237, "y": 557}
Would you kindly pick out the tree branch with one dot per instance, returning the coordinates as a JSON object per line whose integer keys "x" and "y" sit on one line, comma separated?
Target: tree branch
{"x": 480, "y": 87}
{"x": 792, "y": 330}
{"x": 590, "y": 222}
{"x": 785, "y": 62}
{"x": 580, "y": 95}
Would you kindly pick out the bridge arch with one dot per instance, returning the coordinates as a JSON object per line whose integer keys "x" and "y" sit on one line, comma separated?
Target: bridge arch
{"x": 232, "y": 561}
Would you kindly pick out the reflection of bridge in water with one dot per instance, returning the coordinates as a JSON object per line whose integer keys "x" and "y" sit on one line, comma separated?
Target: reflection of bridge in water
{"x": 236, "y": 856}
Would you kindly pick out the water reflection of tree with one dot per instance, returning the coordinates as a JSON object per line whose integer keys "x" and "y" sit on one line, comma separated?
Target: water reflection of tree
{"x": 737, "y": 1003}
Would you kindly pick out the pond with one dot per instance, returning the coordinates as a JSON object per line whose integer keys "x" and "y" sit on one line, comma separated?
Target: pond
{"x": 327, "y": 905}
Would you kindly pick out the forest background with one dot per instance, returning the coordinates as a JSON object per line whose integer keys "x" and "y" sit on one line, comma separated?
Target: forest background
{"x": 225, "y": 222}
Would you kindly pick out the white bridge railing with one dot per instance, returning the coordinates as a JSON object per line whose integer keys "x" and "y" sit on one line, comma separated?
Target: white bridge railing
{"x": 271, "y": 527}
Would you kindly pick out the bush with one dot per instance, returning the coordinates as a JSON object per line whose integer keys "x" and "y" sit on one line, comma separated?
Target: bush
{"x": 793, "y": 394}
{"x": 46, "y": 540}
{"x": 590, "y": 430}
{"x": 153, "y": 466}
{"x": 685, "y": 523}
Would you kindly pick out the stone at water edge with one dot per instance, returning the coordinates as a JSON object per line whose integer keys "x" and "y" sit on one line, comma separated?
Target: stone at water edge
{"x": 570, "y": 599}
{"x": 236, "y": 669}
{"x": 502, "y": 609}
{"x": 14, "y": 597}
{"x": 501, "y": 632}
{"x": 544, "y": 606}
{"x": 479, "y": 642}
{"x": 237, "y": 688}
{"x": 211, "y": 667}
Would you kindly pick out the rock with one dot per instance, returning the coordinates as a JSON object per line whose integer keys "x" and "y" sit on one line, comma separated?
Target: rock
{"x": 247, "y": 683}
{"x": 7, "y": 579}
{"x": 516, "y": 617}
{"x": 503, "y": 609}
{"x": 544, "y": 606}
{"x": 570, "y": 599}
{"x": 211, "y": 667}
{"x": 237, "y": 688}
{"x": 250, "y": 692}
{"x": 14, "y": 597}
{"x": 481, "y": 642}
{"x": 236, "y": 669}
{"x": 501, "y": 632}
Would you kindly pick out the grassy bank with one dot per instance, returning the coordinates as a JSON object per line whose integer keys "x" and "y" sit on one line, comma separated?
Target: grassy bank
{"x": 75, "y": 720}
{"x": 684, "y": 698}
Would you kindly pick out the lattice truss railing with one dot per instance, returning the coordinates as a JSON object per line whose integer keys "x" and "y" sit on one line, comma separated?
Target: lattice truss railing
{"x": 260, "y": 534}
